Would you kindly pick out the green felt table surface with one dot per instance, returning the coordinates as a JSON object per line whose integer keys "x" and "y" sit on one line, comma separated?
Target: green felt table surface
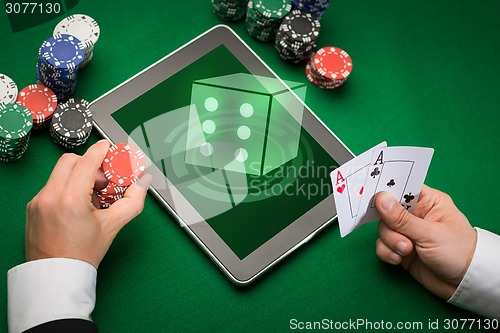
{"x": 425, "y": 73}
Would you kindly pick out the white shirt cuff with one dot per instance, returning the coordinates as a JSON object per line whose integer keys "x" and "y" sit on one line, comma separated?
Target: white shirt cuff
{"x": 50, "y": 289}
{"x": 479, "y": 290}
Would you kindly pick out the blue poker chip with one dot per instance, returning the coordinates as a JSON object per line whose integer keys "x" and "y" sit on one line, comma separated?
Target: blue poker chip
{"x": 63, "y": 52}
{"x": 316, "y": 8}
{"x": 58, "y": 60}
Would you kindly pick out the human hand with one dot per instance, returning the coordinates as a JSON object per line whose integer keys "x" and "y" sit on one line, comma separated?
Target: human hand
{"x": 435, "y": 244}
{"x": 62, "y": 220}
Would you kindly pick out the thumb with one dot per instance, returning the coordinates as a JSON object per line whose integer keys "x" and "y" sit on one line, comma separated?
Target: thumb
{"x": 124, "y": 210}
{"x": 399, "y": 219}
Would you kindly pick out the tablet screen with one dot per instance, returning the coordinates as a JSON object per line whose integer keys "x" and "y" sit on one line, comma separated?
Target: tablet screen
{"x": 231, "y": 142}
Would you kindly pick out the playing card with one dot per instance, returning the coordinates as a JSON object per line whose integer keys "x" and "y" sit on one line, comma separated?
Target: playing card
{"x": 348, "y": 187}
{"x": 398, "y": 170}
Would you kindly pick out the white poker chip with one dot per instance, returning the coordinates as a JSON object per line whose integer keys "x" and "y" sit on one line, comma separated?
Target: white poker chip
{"x": 8, "y": 90}
{"x": 83, "y": 27}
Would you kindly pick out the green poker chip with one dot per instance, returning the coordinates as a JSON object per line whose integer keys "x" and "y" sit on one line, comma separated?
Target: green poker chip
{"x": 16, "y": 123}
{"x": 264, "y": 18}
{"x": 273, "y": 9}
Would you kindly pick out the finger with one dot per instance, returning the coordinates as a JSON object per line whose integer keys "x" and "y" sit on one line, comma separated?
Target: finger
{"x": 397, "y": 242}
{"x": 386, "y": 254}
{"x": 62, "y": 172}
{"x": 124, "y": 210}
{"x": 433, "y": 203}
{"x": 85, "y": 171}
{"x": 399, "y": 219}
{"x": 426, "y": 201}
{"x": 100, "y": 181}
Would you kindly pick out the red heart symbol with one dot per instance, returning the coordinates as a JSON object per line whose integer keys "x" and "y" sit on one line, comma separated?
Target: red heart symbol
{"x": 341, "y": 189}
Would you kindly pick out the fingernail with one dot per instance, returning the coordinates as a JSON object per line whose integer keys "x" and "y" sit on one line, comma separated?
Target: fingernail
{"x": 394, "y": 258}
{"x": 386, "y": 202}
{"x": 401, "y": 247}
{"x": 145, "y": 181}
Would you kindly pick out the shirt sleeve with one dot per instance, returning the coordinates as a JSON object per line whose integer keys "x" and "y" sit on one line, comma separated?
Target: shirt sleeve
{"x": 50, "y": 289}
{"x": 479, "y": 290}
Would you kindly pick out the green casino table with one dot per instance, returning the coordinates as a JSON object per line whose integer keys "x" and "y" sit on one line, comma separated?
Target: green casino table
{"x": 425, "y": 73}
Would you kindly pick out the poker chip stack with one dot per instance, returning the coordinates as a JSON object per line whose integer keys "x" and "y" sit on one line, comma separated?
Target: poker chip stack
{"x": 329, "y": 68}
{"x": 83, "y": 27}
{"x": 58, "y": 61}
{"x": 230, "y": 10}
{"x": 296, "y": 37}
{"x": 315, "y": 7}
{"x": 8, "y": 90}
{"x": 71, "y": 123}
{"x": 40, "y": 101}
{"x": 110, "y": 194}
{"x": 15, "y": 128}
{"x": 264, "y": 18}
{"x": 124, "y": 164}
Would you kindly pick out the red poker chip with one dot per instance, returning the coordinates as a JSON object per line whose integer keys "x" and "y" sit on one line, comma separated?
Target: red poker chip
{"x": 40, "y": 101}
{"x": 111, "y": 198}
{"x": 320, "y": 81}
{"x": 332, "y": 63}
{"x": 112, "y": 189}
{"x": 110, "y": 194}
{"x": 104, "y": 205}
{"x": 123, "y": 164}
{"x": 309, "y": 74}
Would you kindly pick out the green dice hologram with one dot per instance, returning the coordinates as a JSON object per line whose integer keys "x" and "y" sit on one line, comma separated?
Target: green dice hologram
{"x": 244, "y": 123}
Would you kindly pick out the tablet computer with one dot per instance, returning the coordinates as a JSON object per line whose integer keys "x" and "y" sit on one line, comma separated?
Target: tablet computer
{"x": 237, "y": 158}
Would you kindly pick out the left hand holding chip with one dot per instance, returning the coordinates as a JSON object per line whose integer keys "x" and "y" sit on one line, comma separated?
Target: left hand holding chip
{"x": 62, "y": 220}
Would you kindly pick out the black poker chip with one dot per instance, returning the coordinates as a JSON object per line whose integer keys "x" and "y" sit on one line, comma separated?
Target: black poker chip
{"x": 71, "y": 123}
{"x": 296, "y": 37}
{"x": 230, "y": 10}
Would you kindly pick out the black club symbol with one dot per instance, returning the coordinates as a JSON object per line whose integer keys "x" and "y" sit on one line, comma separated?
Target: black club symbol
{"x": 391, "y": 183}
{"x": 409, "y": 197}
{"x": 375, "y": 172}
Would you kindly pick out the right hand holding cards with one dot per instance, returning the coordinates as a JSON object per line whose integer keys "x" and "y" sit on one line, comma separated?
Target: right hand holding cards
{"x": 400, "y": 171}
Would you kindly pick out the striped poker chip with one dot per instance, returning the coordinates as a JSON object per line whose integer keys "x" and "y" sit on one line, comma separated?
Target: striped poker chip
{"x": 301, "y": 26}
{"x": 274, "y": 9}
{"x": 229, "y": 10}
{"x": 332, "y": 63}
{"x": 15, "y": 129}
{"x": 264, "y": 17}
{"x": 296, "y": 37}
{"x": 63, "y": 52}
{"x": 71, "y": 123}
{"x": 113, "y": 189}
{"x": 59, "y": 58}
{"x": 316, "y": 8}
{"x": 123, "y": 164}
{"x": 110, "y": 194}
{"x": 40, "y": 101}
{"x": 329, "y": 68}
{"x": 8, "y": 89}
{"x": 15, "y": 122}
{"x": 83, "y": 27}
